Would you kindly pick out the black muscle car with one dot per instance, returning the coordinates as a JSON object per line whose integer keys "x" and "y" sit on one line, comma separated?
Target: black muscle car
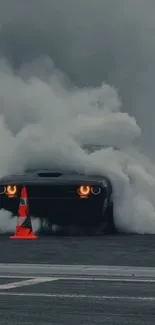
{"x": 64, "y": 199}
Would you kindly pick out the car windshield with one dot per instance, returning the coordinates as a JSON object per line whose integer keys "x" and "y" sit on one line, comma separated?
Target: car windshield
{"x": 90, "y": 148}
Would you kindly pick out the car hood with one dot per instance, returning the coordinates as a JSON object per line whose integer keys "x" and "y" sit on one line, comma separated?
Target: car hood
{"x": 50, "y": 176}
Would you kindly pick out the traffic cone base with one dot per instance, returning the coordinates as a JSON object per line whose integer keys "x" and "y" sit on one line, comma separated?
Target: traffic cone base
{"x": 23, "y": 233}
{"x": 24, "y": 238}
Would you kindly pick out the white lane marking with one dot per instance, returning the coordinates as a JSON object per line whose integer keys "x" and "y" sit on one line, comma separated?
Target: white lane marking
{"x": 75, "y": 296}
{"x": 28, "y": 282}
{"x": 76, "y": 270}
{"x": 15, "y": 276}
{"x": 107, "y": 279}
{"x": 79, "y": 278}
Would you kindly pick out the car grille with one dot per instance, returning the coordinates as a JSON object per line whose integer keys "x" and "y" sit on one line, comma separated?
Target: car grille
{"x": 51, "y": 191}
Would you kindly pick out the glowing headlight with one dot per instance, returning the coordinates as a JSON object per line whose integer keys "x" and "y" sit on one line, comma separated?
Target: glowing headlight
{"x": 84, "y": 190}
{"x": 11, "y": 190}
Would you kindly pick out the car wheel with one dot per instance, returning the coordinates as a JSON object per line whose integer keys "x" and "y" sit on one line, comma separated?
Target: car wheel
{"x": 45, "y": 227}
{"x": 107, "y": 226}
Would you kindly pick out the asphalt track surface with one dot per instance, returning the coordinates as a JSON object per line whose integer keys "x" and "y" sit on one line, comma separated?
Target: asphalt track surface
{"x": 100, "y": 280}
{"x": 136, "y": 250}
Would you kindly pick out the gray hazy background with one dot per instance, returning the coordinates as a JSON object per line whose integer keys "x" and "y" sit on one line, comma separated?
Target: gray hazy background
{"x": 90, "y": 41}
{"x": 46, "y": 47}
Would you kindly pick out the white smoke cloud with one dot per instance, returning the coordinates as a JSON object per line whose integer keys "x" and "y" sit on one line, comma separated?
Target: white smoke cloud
{"x": 44, "y": 119}
{"x": 91, "y": 42}
{"x": 44, "y": 124}
{"x": 8, "y": 224}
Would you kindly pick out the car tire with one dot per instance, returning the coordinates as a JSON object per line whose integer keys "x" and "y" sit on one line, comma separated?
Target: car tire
{"x": 106, "y": 227}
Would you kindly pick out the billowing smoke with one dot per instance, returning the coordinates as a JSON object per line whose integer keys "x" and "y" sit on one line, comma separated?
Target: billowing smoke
{"x": 72, "y": 73}
{"x": 8, "y": 224}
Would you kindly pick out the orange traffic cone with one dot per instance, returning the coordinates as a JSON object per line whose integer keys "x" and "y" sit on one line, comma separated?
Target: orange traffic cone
{"x": 24, "y": 225}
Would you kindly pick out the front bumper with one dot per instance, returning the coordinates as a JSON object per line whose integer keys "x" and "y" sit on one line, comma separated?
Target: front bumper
{"x": 79, "y": 212}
